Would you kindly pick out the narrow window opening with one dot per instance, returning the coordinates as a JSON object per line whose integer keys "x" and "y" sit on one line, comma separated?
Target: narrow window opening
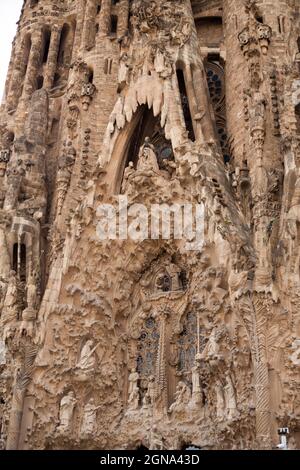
{"x": 114, "y": 24}
{"x": 215, "y": 74}
{"x": 47, "y": 39}
{"x": 106, "y": 66}
{"x": 19, "y": 264}
{"x": 90, "y": 76}
{"x": 279, "y": 25}
{"x": 40, "y": 82}
{"x": 56, "y": 80}
{"x": 185, "y": 105}
{"x": 63, "y": 44}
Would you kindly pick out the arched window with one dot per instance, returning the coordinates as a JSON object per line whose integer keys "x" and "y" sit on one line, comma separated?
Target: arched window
{"x": 147, "y": 349}
{"x": 149, "y": 126}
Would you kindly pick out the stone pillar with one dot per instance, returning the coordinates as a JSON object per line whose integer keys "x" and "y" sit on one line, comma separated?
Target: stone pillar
{"x": 19, "y": 70}
{"x": 105, "y": 18}
{"x": 22, "y": 381}
{"x": 193, "y": 102}
{"x": 81, "y": 4}
{"x": 52, "y": 57}
{"x": 89, "y": 29}
{"x": 234, "y": 18}
{"x": 34, "y": 64}
{"x": 123, "y": 18}
{"x": 10, "y": 71}
{"x": 204, "y": 107}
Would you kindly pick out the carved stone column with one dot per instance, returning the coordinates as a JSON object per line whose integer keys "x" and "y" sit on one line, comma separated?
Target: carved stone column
{"x": 19, "y": 69}
{"x": 105, "y": 18}
{"x": 123, "y": 17}
{"x": 33, "y": 64}
{"x": 52, "y": 57}
{"x": 254, "y": 309}
{"x": 205, "y": 112}
{"x": 80, "y": 13}
{"x": 89, "y": 30}
{"x": 196, "y": 116}
{"x": 161, "y": 377}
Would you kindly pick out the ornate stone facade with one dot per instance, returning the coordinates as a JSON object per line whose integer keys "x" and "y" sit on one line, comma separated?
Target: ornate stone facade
{"x": 120, "y": 344}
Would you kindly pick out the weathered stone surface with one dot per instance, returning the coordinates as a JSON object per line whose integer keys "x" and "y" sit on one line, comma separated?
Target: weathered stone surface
{"x": 124, "y": 343}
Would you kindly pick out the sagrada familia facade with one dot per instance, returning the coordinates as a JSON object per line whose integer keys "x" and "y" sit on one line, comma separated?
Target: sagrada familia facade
{"x": 141, "y": 344}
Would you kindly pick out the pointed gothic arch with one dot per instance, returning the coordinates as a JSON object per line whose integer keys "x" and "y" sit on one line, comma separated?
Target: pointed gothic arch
{"x": 131, "y": 138}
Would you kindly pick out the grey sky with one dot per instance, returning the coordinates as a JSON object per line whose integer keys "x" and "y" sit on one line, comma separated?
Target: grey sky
{"x": 9, "y": 15}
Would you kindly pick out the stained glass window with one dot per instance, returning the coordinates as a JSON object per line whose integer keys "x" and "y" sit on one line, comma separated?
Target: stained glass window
{"x": 188, "y": 343}
{"x": 147, "y": 349}
{"x": 216, "y": 84}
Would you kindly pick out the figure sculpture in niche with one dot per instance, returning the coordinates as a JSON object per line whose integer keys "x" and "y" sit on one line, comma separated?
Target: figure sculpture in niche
{"x": 149, "y": 398}
{"x": 211, "y": 350}
{"x": 89, "y": 418}
{"x": 182, "y": 397}
{"x": 10, "y": 304}
{"x": 197, "y": 395}
{"x": 32, "y": 297}
{"x": 133, "y": 390}
{"x": 66, "y": 411}
{"x": 155, "y": 440}
{"x": 127, "y": 174}
{"x": 230, "y": 399}
{"x": 87, "y": 358}
{"x": 147, "y": 162}
{"x": 220, "y": 400}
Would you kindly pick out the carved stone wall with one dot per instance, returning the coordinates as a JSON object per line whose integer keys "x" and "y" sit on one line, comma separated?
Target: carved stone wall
{"x": 126, "y": 343}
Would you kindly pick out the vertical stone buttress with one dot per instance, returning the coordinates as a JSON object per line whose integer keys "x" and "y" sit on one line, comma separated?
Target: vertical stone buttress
{"x": 256, "y": 49}
{"x": 26, "y": 112}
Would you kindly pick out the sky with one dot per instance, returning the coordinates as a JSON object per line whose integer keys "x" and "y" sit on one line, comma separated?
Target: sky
{"x": 9, "y": 15}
